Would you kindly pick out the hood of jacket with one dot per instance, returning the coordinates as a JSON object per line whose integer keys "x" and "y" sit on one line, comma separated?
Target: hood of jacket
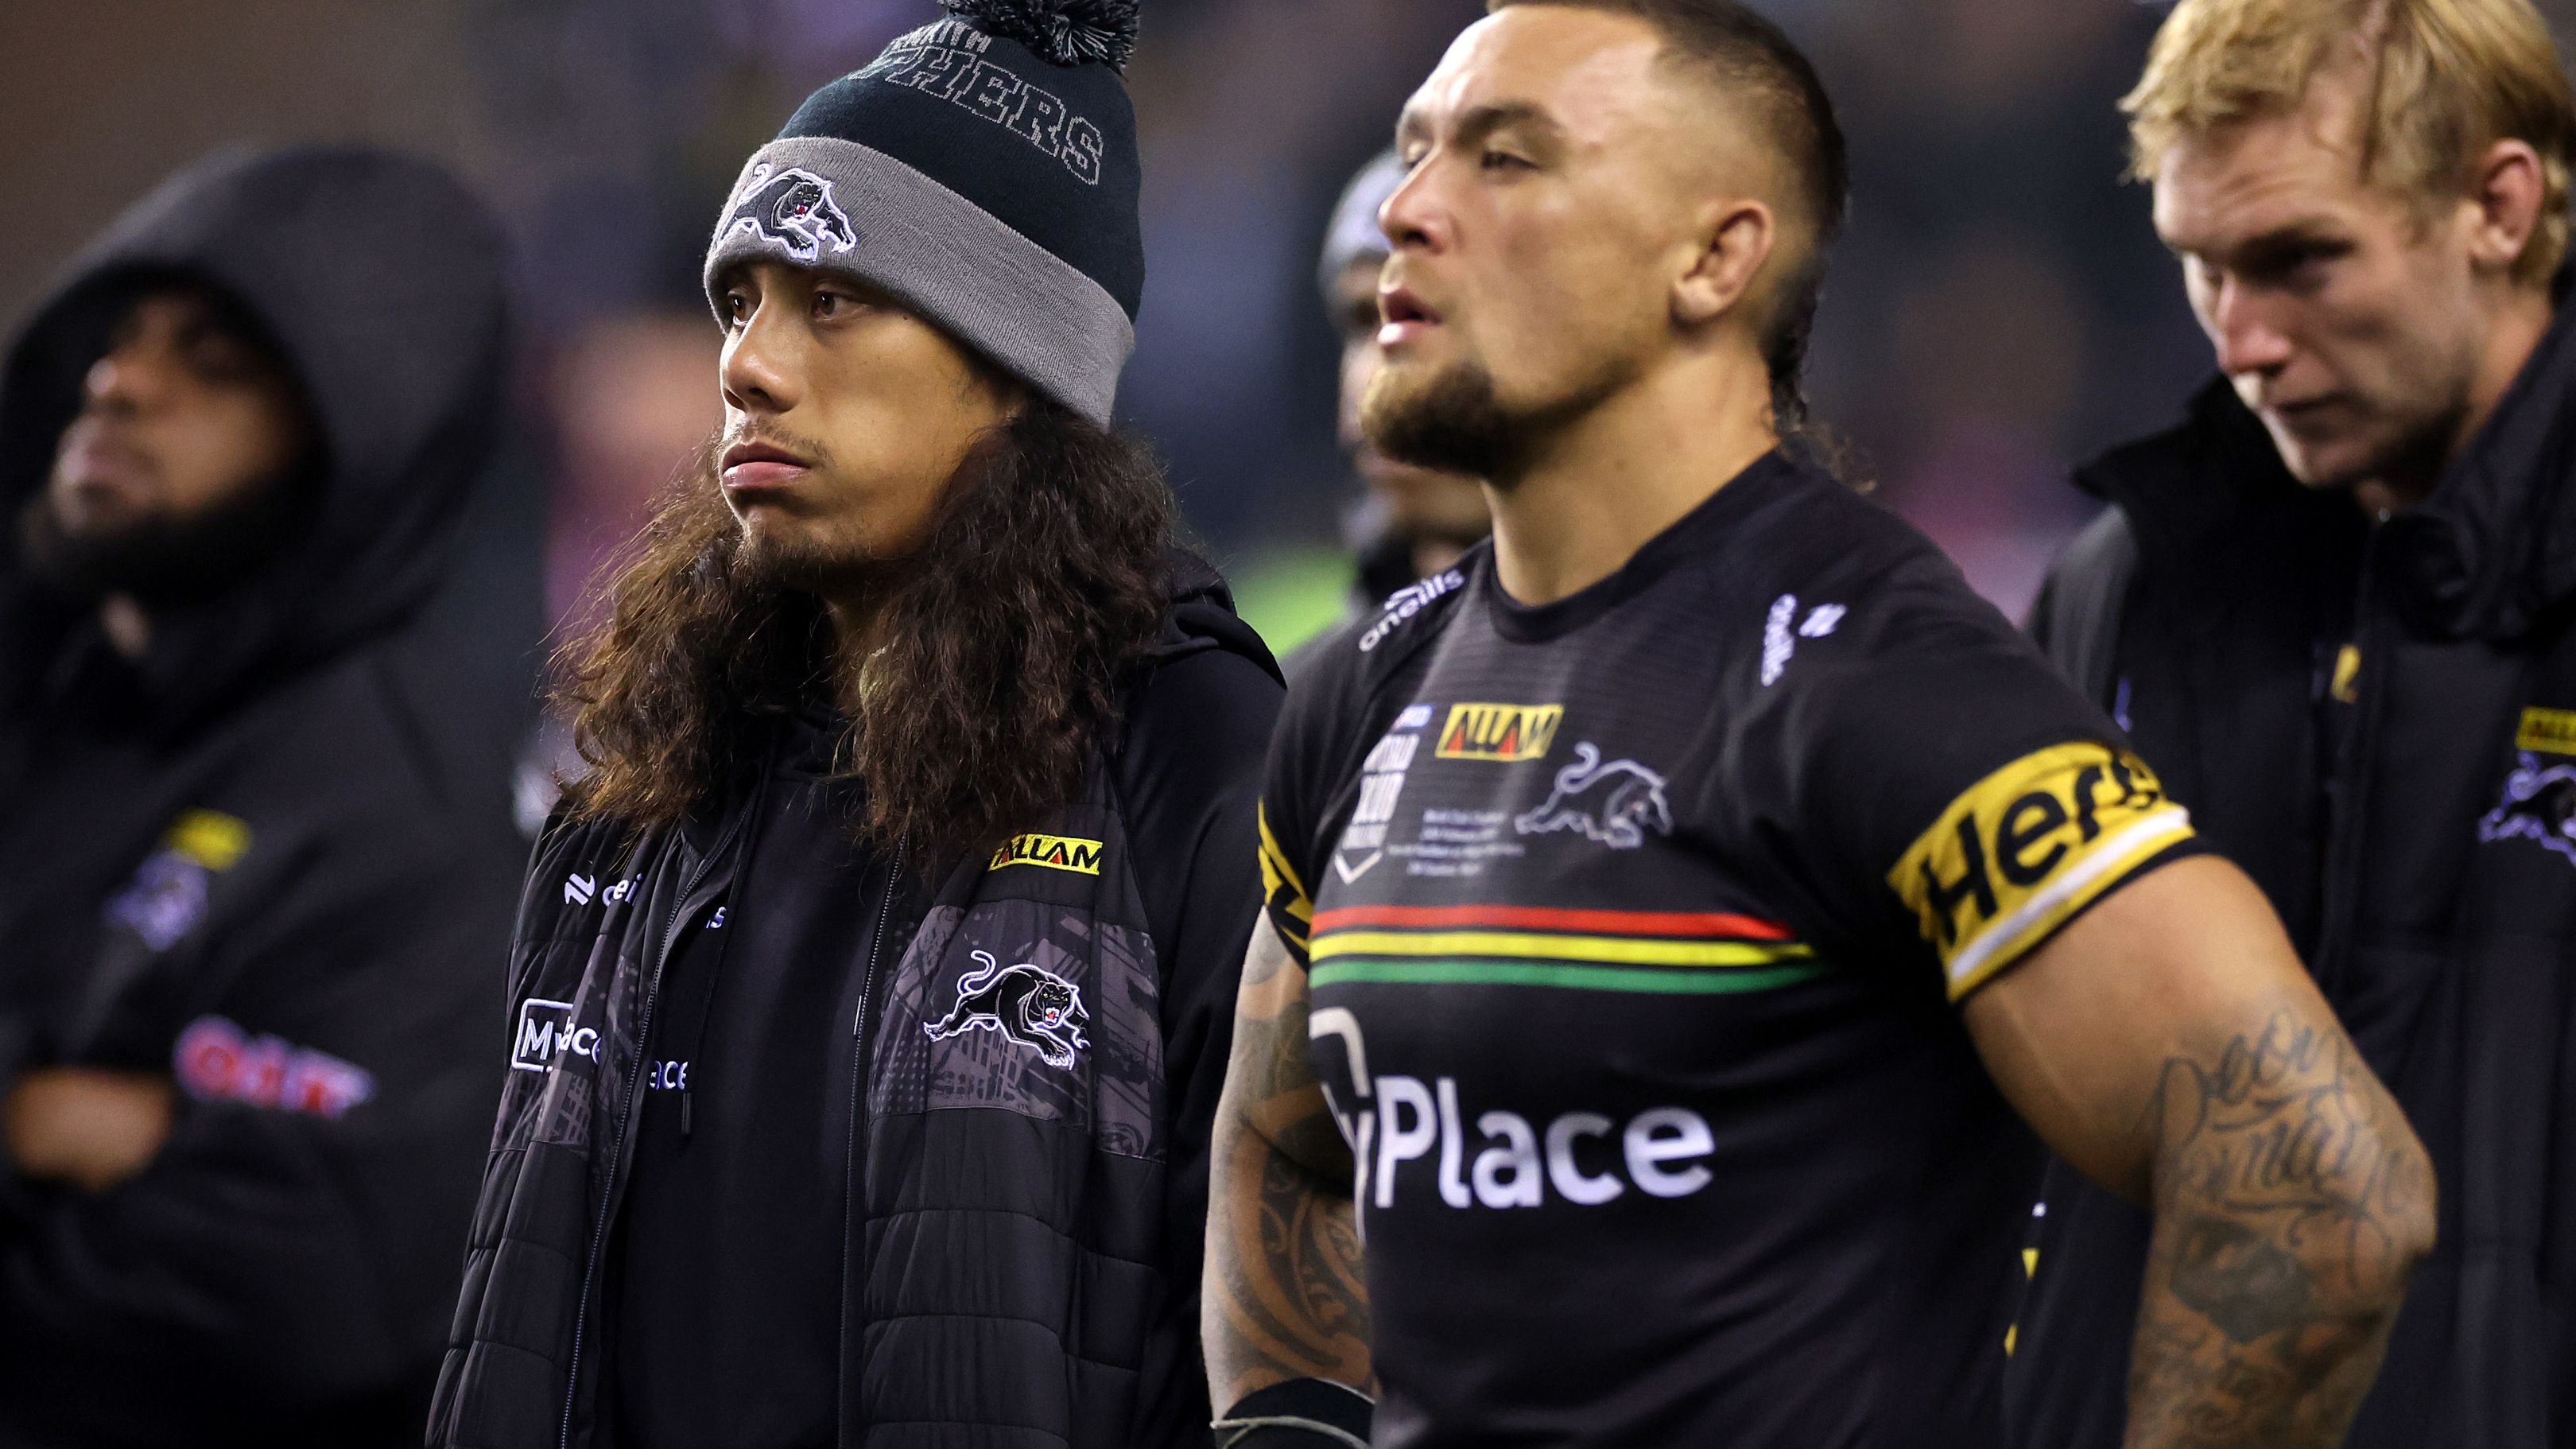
{"x": 382, "y": 281}
{"x": 1202, "y": 615}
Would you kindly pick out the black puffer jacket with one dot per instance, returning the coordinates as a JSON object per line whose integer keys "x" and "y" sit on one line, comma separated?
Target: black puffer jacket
{"x": 2380, "y": 725}
{"x": 1021, "y": 1241}
{"x": 275, "y": 854}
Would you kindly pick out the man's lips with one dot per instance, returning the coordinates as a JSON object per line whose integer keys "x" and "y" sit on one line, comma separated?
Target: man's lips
{"x": 1404, "y": 316}
{"x": 751, "y": 466}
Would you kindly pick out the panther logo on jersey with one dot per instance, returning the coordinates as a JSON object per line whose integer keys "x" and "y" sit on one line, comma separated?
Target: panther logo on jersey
{"x": 1614, "y": 803}
{"x": 1030, "y": 1007}
{"x": 2539, "y": 804}
{"x": 795, "y": 210}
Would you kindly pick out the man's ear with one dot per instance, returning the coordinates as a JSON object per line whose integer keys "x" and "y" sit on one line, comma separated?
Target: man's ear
{"x": 1734, "y": 237}
{"x": 2507, "y": 187}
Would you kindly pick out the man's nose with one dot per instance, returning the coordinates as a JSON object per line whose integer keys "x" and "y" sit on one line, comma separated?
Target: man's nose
{"x": 125, "y": 378}
{"x": 758, "y": 373}
{"x": 1413, "y": 216}
{"x": 2249, "y": 339}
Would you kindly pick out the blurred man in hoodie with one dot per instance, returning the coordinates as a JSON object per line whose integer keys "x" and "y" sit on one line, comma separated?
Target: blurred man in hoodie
{"x": 256, "y": 860}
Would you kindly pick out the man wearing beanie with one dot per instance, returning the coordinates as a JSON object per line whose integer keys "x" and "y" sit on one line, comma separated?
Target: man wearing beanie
{"x": 870, "y": 994}
{"x": 1415, "y": 521}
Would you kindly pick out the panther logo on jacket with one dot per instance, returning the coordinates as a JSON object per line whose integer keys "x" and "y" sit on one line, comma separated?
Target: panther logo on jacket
{"x": 2539, "y": 804}
{"x": 795, "y": 210}
{"x": 1030, "y": 1007}
{"x": 1615, "y": 804}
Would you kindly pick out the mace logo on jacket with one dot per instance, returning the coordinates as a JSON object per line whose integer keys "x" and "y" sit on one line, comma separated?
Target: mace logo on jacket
{"x": 167, "y": 897}
{"x": 545, "y": 1031}
{"x": 793, "y": 211}
{"x": 1030, "y": 1007}
{"x": 217, "y": 1061}
{"x": 1503, "y": 732}
{"x": 1054, "y": 852}
{"x": 1615, "y": 803}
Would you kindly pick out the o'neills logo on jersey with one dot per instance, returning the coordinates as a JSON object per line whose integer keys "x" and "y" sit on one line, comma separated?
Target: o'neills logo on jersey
{"x": 1499, "y": 731}
{"x": 1055, "y": 852}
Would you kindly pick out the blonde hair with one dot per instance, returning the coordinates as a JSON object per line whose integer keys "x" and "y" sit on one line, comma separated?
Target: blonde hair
{"x": 2447, "y": 79}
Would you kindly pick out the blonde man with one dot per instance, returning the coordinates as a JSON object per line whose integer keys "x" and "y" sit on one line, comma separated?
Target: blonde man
{"x": 2332, "y": 608}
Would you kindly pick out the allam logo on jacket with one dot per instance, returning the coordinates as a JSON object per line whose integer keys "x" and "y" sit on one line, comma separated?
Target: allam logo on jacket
{"x": 1054, "y": 852}
{"x": 1029, "y": 1006}
{"x": 167, "y": 898}
{"x": 793, "y": 211}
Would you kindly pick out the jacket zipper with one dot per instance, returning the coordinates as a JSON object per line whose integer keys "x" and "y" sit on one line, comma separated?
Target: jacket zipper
{"x": 858, "y": 1104}
{"x": 625, "y": 1123}
{"x": 2352, "y": 777}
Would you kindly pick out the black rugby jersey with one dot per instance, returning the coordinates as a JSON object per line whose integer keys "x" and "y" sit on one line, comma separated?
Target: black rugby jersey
{"x": 1635, "y": 924}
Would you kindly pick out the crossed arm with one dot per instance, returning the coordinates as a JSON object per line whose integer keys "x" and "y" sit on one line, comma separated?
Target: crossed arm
{"x": 2168, "y": 1043}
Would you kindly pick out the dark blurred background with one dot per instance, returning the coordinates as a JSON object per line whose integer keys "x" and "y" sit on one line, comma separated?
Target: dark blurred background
{"x": 1998, "y": 310}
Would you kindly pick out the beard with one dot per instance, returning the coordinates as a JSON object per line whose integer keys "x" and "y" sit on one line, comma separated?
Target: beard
{"x": 163, "y": 560}
{"x": 1449, "y": 422}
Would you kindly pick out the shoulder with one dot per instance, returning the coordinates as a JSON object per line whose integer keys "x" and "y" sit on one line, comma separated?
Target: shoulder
{"x": 1362, "y": 656}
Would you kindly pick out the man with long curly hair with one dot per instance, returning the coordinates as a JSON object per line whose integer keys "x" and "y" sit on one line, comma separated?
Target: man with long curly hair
{"x": 867, "y": 1005}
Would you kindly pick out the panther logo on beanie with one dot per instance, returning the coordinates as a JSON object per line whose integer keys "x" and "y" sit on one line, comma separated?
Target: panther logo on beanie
{"x": 794, "y": 209}
{"x": 983, "y": 175}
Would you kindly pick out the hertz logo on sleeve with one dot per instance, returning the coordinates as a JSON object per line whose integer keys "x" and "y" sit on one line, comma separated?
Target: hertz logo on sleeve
{"x": 1055, "y": 852}
{"x": 1503, "y": 732}
{"x": 2029, "y": 846}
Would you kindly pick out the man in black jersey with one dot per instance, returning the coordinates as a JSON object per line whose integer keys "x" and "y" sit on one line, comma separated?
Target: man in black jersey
{"x": 1682, "y": 914}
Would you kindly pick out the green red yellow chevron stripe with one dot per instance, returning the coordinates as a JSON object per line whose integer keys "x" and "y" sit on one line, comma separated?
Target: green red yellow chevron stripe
{"x": 1668, "y": 952}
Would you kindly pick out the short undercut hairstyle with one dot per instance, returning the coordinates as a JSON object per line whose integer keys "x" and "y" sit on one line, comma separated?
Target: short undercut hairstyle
{"x": 2446, "y": 79}
{"x": 1763, "y": 70}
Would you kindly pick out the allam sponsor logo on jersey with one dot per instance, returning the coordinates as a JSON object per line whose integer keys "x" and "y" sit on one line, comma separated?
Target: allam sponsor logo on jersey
{"x": 1054, "y": 852}
{"x": 1502, "y": 732}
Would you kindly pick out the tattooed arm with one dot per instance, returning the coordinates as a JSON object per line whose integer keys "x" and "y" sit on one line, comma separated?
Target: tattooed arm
{"x": 1284, "y": 1298}
{"x": 2169, "y": 1044}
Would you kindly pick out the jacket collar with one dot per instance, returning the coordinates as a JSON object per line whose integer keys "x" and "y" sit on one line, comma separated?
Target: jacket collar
{"x": 2493, "y": 551}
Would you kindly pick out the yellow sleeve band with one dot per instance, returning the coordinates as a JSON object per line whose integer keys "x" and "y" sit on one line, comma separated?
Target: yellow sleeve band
{"x": 1291, "y": 909}
{"x": 2026, "y": 848}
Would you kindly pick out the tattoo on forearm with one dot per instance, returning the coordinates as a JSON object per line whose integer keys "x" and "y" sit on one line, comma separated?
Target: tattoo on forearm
{"x": 1285, "y": 1296}
{"x": 2291, "y": 1201}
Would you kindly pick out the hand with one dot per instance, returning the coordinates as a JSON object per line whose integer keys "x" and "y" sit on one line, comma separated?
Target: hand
{"x": 88, "y": 1127}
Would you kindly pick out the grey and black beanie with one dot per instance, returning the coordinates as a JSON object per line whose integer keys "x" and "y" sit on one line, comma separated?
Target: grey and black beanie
{"x": 983, "y": 171}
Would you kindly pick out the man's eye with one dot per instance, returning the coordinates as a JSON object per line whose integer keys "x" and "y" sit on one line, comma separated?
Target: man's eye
{"x": 1504, "y": 161}
{"x": 833, "y": 304}
{"x": 737, "y": 308}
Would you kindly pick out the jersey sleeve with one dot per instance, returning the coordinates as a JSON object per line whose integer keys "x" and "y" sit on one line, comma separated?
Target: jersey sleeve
{"x": 1946, "y": 786}
{"x": 1299, "y": 785}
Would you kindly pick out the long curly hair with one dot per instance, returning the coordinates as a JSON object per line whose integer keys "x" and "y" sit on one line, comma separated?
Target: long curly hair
{"x": 992, "y": 666}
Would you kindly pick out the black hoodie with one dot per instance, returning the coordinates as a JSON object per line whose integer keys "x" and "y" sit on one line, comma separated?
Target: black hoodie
{"x": 978, "y": 1099}
{"x": 273, "y": 856}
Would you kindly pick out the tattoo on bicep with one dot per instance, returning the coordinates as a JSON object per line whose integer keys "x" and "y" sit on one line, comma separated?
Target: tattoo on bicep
{"x": 2289, "y": 1194}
